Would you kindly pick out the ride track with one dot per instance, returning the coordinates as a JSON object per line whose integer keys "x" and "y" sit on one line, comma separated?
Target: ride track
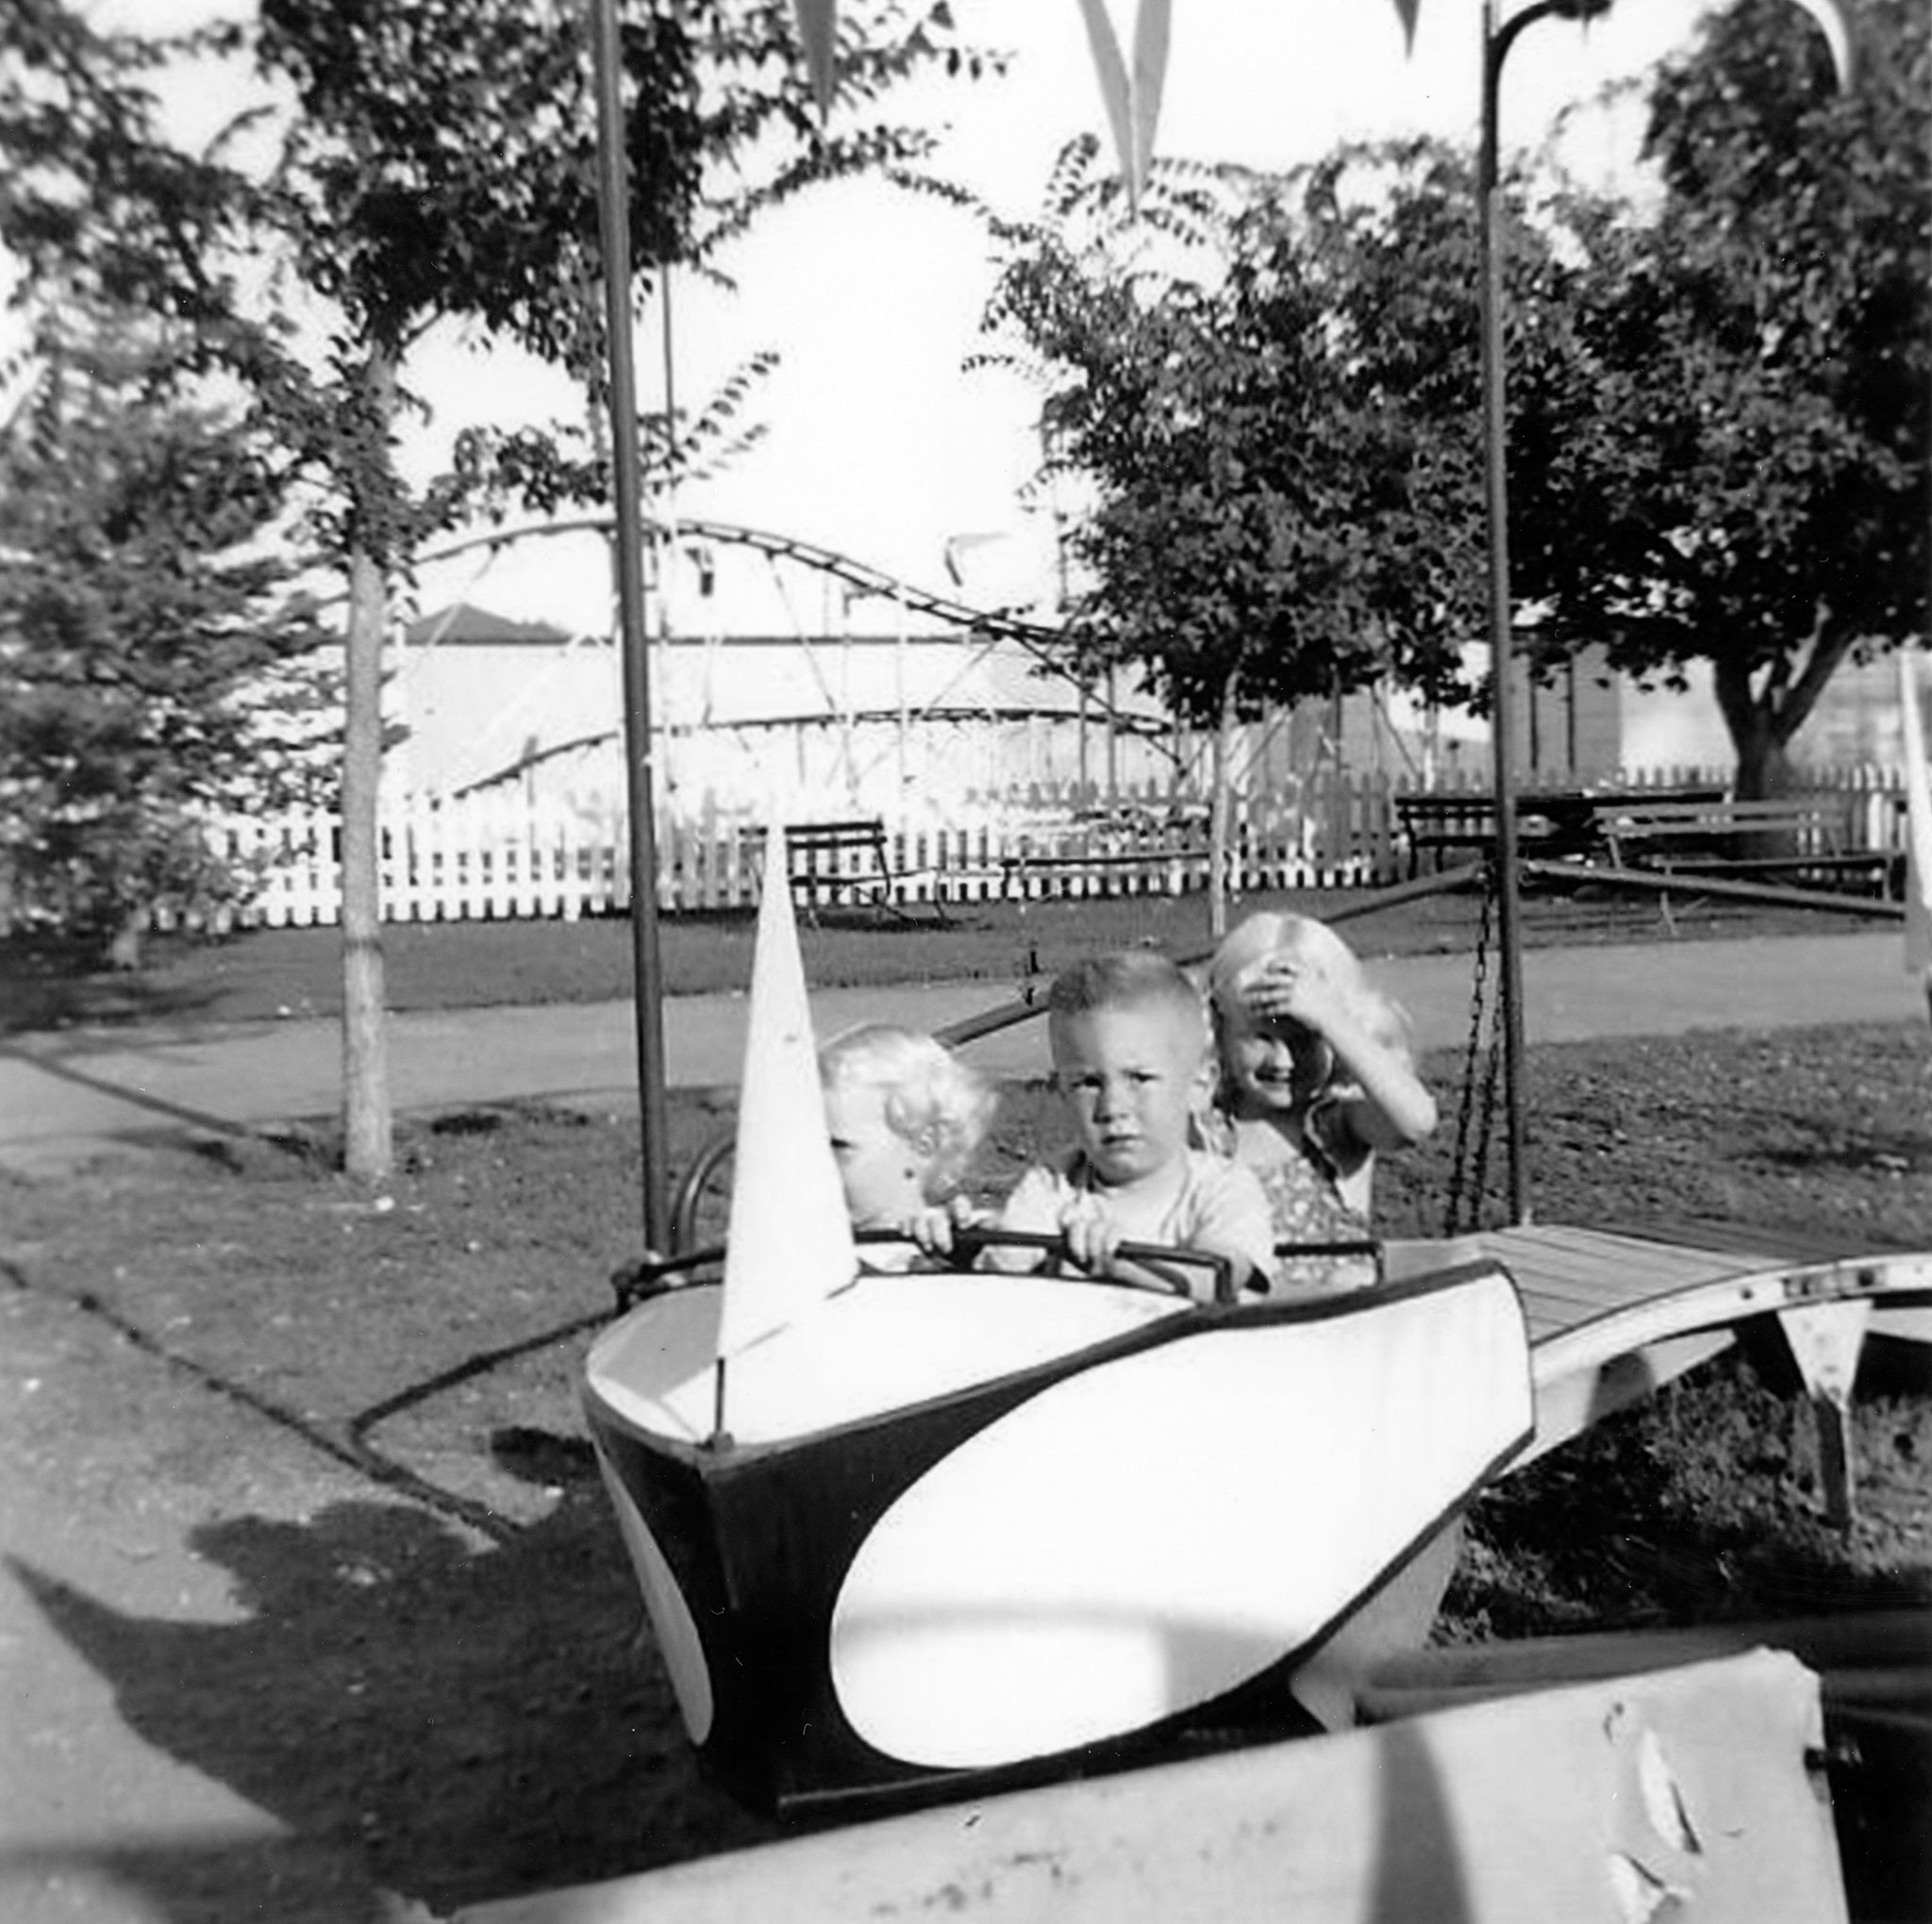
{"x": 1036, "y": 637}
{"x": 1041, "y": 642}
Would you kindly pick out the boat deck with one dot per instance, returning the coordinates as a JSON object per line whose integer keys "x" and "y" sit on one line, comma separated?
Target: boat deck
{"x": 1614, "y": 1314}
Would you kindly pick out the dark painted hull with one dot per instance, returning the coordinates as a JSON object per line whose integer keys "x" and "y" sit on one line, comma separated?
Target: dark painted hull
{"x": 1049, "y": 1570}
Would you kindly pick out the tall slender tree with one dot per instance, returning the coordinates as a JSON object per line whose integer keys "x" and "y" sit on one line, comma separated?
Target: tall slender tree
{"x": 408, "y": 162}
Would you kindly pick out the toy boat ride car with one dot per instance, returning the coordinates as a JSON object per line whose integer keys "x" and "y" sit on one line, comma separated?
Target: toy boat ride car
{"x": 898, "y": 1531}
{"x": 973, "y": 1524}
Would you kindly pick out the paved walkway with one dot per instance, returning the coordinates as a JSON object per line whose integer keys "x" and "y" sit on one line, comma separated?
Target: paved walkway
{"x": 70, "y": 1094}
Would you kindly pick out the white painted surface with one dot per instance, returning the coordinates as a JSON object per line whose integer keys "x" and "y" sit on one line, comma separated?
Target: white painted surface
{"x": 676, "y": 1631}
{"x": 885, "y": 1343}
{"x": 790, "y": 1239}
{"x": 1155, "y": 1531}
{"x": 1501, "y": 1813}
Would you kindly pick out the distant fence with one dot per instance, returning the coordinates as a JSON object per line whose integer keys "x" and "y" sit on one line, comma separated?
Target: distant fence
{"x": 497, "y": 859}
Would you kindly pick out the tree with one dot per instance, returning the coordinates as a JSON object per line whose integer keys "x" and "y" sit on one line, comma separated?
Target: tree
{"x": 146, "y": 632}
{"x": 1286, "y": 487}
{"x": 411, "y": 162}
{"x": 1748, "y": 481}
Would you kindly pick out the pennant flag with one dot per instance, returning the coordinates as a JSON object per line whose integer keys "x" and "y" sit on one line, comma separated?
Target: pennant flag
{"x": 817, "y": 28}
{"x": 1132, "y": 99}
{"x": 1918, "y": 824}
{"x": 790, "y": 1239}
{"x": 1831, "y": 23}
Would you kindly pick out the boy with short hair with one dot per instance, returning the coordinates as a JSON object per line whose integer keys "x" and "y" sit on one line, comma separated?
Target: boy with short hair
{"x": 1131, "y": 1058}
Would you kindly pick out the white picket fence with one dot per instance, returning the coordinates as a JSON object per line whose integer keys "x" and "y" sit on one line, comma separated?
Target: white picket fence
{"x": 501, "y": 859}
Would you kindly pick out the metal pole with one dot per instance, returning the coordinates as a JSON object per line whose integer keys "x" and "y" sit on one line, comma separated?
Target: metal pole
{"x": 1496, "y": 42}
{"x": 613, "y": 207}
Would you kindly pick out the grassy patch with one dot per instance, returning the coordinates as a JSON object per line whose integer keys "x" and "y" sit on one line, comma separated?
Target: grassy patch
{"x": 275, "y": 973}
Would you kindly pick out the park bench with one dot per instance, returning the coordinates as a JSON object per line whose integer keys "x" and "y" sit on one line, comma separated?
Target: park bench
{"x": 1727, "y": 838}
{"x": 820, "y": 861}
{"x": 1550, "y": 824}
{"x": 1049, "y": 864}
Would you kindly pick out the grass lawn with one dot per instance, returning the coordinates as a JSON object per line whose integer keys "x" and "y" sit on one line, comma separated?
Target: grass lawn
{"x": 282, "y": 973}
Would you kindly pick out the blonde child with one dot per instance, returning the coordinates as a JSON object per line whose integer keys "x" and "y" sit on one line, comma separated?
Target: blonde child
{"x": 1129, "y": 1040}
{"x": 906, "y": 1117}
{"x": 1316, "y": 1077}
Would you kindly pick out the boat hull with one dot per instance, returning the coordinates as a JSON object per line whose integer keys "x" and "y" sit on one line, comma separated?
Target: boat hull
{"x": 1055, "y": 1550}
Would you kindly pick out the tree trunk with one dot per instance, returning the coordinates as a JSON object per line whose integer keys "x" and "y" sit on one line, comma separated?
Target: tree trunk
{"x": 1760, "y": 734}
{"x": 368, "y": 1145}
{"x": 125, "y": 946}
{"x": 1219, "y": 810}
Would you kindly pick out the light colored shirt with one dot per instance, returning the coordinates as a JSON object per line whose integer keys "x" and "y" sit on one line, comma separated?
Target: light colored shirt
{"x": 1220, "y": 1208}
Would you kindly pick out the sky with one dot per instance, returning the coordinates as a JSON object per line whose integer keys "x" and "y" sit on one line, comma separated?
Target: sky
{"x": 878, "y": 444}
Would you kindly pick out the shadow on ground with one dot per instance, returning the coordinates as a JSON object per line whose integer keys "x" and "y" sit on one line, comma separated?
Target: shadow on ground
{"x": 428, "y": 1718}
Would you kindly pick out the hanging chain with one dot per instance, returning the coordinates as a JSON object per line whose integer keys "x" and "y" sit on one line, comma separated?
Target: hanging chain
{"x": 1486, "y": 1124}
{"x": 1469, "y": 1165}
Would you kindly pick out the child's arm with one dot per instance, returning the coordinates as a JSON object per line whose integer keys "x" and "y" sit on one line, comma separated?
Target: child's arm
{"x": 1234, "y": 1221}
{"x": 1034, "y": 1206}
{"x": 1390, "y": 1107}
{"x": 1229, "y": 1218}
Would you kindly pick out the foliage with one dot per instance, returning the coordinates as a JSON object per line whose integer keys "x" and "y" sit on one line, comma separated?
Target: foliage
{"x": 1238, "y": 484}
{"x": 404, "y": 162}
{"x": 1280, "y": 426}
{"x": 1748, "y": 478}
{"x": 1395, "y": 227}
{"x": 146, "y": 642}
{"x": 399, "y": 165}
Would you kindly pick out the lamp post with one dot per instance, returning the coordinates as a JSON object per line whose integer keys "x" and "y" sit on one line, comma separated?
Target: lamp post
{"x": 613, "y": 210}
{"x": 1499, "y": 36}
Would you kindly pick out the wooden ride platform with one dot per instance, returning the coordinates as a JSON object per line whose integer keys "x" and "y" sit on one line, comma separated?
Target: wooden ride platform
{"x": 1615, "y": 1313}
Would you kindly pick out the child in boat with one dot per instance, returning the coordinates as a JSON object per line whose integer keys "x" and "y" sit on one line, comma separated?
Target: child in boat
{"x": 906, "y": 1117}
{"x": 1131, "y": 1059}
{"x": 1316, "y": 1076}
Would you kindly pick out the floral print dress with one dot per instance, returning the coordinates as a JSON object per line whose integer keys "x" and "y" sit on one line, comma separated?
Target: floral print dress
{"x": 1305, "y": 1205}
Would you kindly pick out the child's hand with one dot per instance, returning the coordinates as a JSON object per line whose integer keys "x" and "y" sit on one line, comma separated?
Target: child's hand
{"x": 1296, "y": 990}
{"x": 933, "y": 1227}
{"x": 1091, "y": 1238}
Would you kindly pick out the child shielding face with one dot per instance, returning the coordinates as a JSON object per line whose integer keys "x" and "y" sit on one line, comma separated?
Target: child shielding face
{"x": 1273, "y": 1065}
{"x": 1299, "y": 1026}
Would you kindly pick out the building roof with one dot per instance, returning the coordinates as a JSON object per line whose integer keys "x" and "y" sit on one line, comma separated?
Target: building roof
{"x": 462, "y": 624}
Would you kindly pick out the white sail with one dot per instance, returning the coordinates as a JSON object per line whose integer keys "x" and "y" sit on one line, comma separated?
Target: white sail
{"x": 790, "y": 1239}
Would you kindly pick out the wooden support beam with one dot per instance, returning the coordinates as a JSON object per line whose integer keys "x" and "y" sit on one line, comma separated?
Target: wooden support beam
{"x": 1824, "y": 1339}
{"x": 1683, "y": 1795}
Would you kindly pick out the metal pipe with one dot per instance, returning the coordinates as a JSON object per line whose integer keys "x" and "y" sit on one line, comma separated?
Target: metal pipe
{"x": 613, "y": 208}
{"x": 1499, "y": 36}
{"x": 1687, "y": 881}
{"x": 1010, "y": 1015}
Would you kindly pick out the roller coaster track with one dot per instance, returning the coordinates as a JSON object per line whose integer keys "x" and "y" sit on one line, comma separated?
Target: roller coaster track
{"x": 1036, "y": 637}
{"x": 1042, "y": 642}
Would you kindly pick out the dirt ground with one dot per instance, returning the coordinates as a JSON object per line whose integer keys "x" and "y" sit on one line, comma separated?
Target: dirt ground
{"x": 307, "y": 1652}
{"x": 313, "y": 1607}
